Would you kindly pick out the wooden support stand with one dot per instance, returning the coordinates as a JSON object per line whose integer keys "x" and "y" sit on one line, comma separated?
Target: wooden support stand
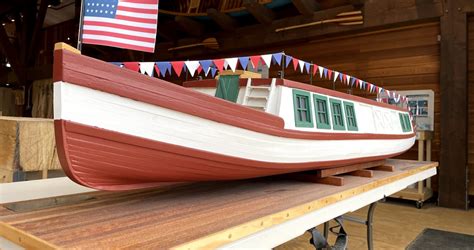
{"x": 422, "y": 191}
{"x": 328, "y": 176}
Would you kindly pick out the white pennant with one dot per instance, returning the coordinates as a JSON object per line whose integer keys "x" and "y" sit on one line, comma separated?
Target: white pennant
{"x": 336, "y": 74}
{"x": 267, "y": 59}
{"x": 232, "y": 62}
{"x": 348, "y": 77}
{"x": 147, "y": 68}
{"x": 321, "y": 71}
{"x": 301, "y": 63}
{"x": 192, "y": 66}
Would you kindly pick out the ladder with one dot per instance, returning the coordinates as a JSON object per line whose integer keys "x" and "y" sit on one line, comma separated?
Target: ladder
{"x": 258, "y": 97}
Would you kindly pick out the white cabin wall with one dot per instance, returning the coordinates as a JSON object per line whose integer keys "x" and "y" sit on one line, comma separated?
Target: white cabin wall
{"x": 212, "y": 92}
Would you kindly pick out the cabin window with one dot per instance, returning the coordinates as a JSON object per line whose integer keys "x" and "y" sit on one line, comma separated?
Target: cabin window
{"x": 407, "y": 123}
{"x": 322, "y": 111}
{"x": 350, "y": 116}
{"x": 302, "y": 108}
{"x": 337, "y": 115}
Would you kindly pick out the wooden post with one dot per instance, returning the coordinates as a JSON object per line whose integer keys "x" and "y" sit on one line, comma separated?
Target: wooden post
{"x": 453, "y": 82}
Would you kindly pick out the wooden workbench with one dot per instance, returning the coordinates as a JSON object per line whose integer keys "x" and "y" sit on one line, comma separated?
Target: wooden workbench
{"x": 259, "y": 213}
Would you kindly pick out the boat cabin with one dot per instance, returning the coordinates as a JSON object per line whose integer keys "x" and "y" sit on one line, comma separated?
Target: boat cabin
{"x": 309, "y": 108}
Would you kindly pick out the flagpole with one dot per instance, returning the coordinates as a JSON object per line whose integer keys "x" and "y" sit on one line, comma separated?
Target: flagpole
{"x": 81, "y": 22}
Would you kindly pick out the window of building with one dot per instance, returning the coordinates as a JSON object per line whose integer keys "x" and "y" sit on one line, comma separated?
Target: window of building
{"x": 351, "y": 118}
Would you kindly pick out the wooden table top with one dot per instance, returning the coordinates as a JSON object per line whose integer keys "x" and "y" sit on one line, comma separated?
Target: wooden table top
{"x": 186, "y": 214}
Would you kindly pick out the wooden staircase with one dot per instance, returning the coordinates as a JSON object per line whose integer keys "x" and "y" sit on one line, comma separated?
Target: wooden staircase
{"x": 258, "y": 97}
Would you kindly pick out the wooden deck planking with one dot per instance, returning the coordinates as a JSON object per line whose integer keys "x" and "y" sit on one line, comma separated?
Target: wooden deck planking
{"x": 180, "y": 213}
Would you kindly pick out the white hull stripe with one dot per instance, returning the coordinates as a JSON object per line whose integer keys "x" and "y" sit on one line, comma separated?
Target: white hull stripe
{"x": 103, "y": 110}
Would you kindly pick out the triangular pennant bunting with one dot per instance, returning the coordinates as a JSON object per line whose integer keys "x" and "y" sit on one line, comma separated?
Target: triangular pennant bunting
{"x": 267, "y": 59}
{"x": 213, "y": 72}
{"x": 277, "y": 57}
{"x": 232, "y": 62}
{"x": 178, "y": 67}
{"x": 192, "y": 67}
{"x": 119, "y": 64}
{"x": 164, "y": 67}
{"x": 205, "y": 65}
{"x": 288, "y": 60}
{"x": 336, "y": 74}
{"x": 255, "y": 60}
{"x": 295, "y": 63}
{"x": 301, "y": 63}
{"x": 219, "y": 64}
{"x": 307, "y": 66}
{"x": 321, "y": 71}
{"x": 147, "y": 68}
{"x": 329, "y": 74}
{"x": 132, "y": 66}
{"x": 244, "y": 62}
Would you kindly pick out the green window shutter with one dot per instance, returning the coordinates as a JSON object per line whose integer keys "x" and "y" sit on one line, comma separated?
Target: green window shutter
{"x": 302, "y": 109}
{"x": 228, "y": 88}
{"x": 337, "y": 115}
{"x": 351, "y": 117}
{"x": 321, "y": 111}
{"x": 407, "y": 123}
{"x": 402, "y": 122}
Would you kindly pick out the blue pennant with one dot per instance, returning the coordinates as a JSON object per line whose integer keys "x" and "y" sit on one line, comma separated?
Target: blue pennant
{"x": 244, "y": 62}
{"x": 213, "y": 72}
{"x": 205, "y": 64}
{"x": 288, "y": 60}
{"x": 164, "y": 67}
{"x": 340, "y": 77}
{"x": 119, "y": 64}
{"x": 307, "y": 65}
{"x": 277, "y": 57}
{"x": 353, "y": 81}
{"x": 325, "y": 72}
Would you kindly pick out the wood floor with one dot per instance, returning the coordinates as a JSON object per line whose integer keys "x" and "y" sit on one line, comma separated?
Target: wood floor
{"x": 396, "y": 225}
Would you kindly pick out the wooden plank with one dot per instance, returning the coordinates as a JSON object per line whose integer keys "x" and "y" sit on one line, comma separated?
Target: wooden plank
{"x": 386, "y": 168}
{"x": 363, "y": 173}
{"x": 21, "y": 238}
{"x": 224, "y": 21}
{"x": 331, "y": 180}
{"x": 347, "y": 169}
{"x": 260, "y": 12}
{"x": 213, "y": 217}
{"x": 453, "y": 79}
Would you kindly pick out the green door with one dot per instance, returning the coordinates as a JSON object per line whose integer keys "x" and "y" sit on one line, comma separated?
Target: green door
{"x": 228, "y": 88}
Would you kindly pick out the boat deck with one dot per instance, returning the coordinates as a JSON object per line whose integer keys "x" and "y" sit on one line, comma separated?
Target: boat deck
{"x": 199, "y": 215}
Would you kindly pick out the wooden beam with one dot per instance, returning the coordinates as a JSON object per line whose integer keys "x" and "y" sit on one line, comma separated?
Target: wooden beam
{"x": 306, "y": 7}
{"x": 453, "y": 184}
{"x": 190, "y": 26}
{"x": 260, "y": 12}
{"x": 224, "y": 21}
{"x": 33, "y": 48}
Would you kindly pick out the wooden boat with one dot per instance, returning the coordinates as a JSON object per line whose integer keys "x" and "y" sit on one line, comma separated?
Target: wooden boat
{"x": 117, "y": 129}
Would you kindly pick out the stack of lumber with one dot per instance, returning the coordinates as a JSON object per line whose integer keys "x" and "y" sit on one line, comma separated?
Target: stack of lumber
{"x": 27, "y": 144}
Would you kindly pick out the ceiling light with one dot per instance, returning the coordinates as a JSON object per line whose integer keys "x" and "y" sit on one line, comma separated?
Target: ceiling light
{"x": 8, "y": 65}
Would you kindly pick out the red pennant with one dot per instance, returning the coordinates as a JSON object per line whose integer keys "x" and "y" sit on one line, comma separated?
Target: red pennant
{"x": 329, "y": 74}
{"x": 219, "y": 63}
{"x": 315, "y": 69}
{"x": 295, "y": 63}
{"x": 343, "y": 78}
{"x": 357, "y": 82}
{"x": 255, "y": 60}
{"x": 157, "y": 70}
{"x": 178, "y": 67}
{"x": 132, "y": 66}
{"x": 199, "y": 70}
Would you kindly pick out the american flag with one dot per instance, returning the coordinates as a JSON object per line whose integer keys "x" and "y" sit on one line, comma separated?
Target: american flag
{"x": 128, "y": 24}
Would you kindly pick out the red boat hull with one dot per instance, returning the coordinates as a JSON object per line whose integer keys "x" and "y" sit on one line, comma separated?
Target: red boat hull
{"x": 109, "y": 160}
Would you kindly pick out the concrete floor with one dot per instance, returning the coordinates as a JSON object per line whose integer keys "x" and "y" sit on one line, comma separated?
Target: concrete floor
{"x": 396, "y": 224}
